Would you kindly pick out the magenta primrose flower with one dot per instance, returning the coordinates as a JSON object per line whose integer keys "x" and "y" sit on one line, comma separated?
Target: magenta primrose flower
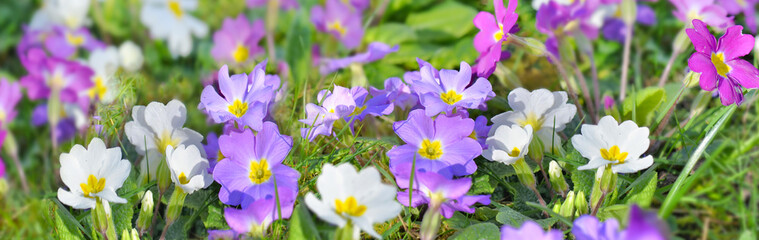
{"x": 437, "y": 145}
{"x": 491, "y": 37}
{"x": 241, "y": 99}
{"x": 71, "y": 79}
{"x": 338, "y": 19}
{"x": 252, "y": 163}
{"x": 63, "y": 42}
{"x": 747, "y": 7}
{"x": 531, "y": 230}
{"x": 705, "y": 10}
{"x": 10, "y": 94}
{"x": 450, "y": 193}
{"x": 720, "y": 64}
{"x": 441, "y": 92}
{"x": 237, "y": 40}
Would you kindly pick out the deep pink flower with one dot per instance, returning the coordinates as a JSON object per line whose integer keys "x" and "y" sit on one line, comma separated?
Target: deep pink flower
{"x": 492, "y": 35}
{"x": 720, "y": 64}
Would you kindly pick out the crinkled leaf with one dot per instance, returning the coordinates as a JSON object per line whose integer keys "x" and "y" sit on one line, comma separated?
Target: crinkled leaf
{"x": 479, "y": 231}
{"x": 642, "y": 194}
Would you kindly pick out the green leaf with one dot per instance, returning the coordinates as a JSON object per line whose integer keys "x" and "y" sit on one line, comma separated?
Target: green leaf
{"x": 443, "y": 22}
{"x": 298, "y": 48}
{"x": 391, "y": 34}
{"x": 302, "y": 224}
{"x": 122, "y": 216}
{"x": 583, "y": 181}
{"x": 645, "y": 102}
{"x": 479, "y": 231}
{"x": 66, "y": 226}
{"x": 215, "y": 218}
{"x": 511, "y": 217}
{"x": 459, "y": 221}
{"x": 643, "y": 193}
{"x": 618, "y": 211}
{"x": 481, "y": 185}
{"x": 451, "y": 57}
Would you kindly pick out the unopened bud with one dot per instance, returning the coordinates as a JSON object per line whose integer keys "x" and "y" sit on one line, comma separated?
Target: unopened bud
{"x": 557, "y": 206}
{"x": 536, "y": 150}
{"x": 568, "y": 207}
{"x": 524, "y": 173}
{"x": 163, "y": 175}
{"x": 99, "y": 216}
{"x": 130, "y": 56}
{"x": 608, "y": 179}
{"x": 176, "y": 202}
{"x": 558, "y": 183}
{"x": 146, "y": 211}
{"x": 681, "y": 42}
{"x": 581, "y": 203}
{"x": 595, "y": 195}
{"x": 629, "y": 12}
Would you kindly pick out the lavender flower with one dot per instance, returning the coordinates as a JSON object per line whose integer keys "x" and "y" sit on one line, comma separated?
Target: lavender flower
{"x": 374, "y": 52}
{"x": 530, "y": 230}
{"x": 335, "y": 105}
{"x": 254, "y": 219}
{"x": 252, "y": 164}
{"x": 63, "y": 42}
{"x": 212, "y": 150}
{"x": 46, "y": 74}
{"x": 441, "y": 92}
{"x": 339, "y": 20}
{"x": 720, "y": 63}
{"x": 703, "y": 10}
{"x": 439, "y": 145}
{"x": 448, "y": 193}
{"x": 641, "y": 226}
{"x": 237, "y": 40}
{"x": 747, "y": 7}
{"x": 375, "y": 106}
{"x": 398, "y": 92}
{"x": 242, "y": 100}
{"x": 284, "y": 4}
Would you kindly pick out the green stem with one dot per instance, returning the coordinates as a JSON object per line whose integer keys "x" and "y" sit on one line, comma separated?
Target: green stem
{"x": 678, "y": 189}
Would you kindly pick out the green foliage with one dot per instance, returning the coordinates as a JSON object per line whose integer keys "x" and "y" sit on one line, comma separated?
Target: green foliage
{"x": 302, "y": 224}
{"x": 640, "y": 107}
{"x": 442, "y": 22}
{"x": 480, "y": 231}
{"x": 643, "y": 193}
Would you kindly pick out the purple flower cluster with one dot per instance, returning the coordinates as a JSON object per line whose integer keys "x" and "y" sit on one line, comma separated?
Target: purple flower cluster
{"x": 447, "y": 91}
{"x": 640, "y": 226}
{"x": 236, "y": 42}
{"x": 341, "y": 20}
{"x": 341, "y": 104}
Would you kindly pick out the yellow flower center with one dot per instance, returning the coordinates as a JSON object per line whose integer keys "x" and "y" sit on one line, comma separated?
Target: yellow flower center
{"x": 450, "y": 97}
{"x": 3, "y": 116}
{"x": 74, "y": 39}
{"x": 473, "y": 135}
{"x": 259, "y": 171}
{"x": 220, "y": 156}
{"x": 337, "y": 26}
{"x": 238, "y": 108}
{"x": 613, "y": 154}
{"x": 514, "y": 152}
{"x": 56, "y": 81}
{"x": 358, "y": 110}
{"x": 164, "y": 141}
{"x": 350, "y": 207}
{"x": 241, "y": 53}
{"x": 93, "y": 185}
{"x": 183, "y": 178}
{"x": 741, "y": 3}
{"x": 175, "y": 9}
{"x": 98, "y": 90}
{"x": 498, "y": 35}
{"x": 693, "y": 14}
{"x": 718, "y": 59}
{"x": 431, "y": 149}
{"x": 533, "y": 120}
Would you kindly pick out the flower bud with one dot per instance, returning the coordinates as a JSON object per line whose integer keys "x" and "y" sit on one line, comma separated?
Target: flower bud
{"x": 536, "y": 150}
{"x": 568, "y": 207}
{"x": 146, "y": 212}
{"x": 524, "y": 173}
{"x": 581, "y": 203}
{"x": 596, "y": 193}
{"x": 130, "y": 235}
{"x": 557, "y": 206}
{"x": 681, "y": 42}
{"x": 99, "y": 216}
{"x": 130, "y": 56}
{"x": 608, "y": 180}
{"x": 163, "y": 175}
{"x": 176, "y": 202}
{"x": 558, "y": 183}
{"x": 629, "y": 12}
{"x": 692, "y": 79}
{"x": 533, "y": 46}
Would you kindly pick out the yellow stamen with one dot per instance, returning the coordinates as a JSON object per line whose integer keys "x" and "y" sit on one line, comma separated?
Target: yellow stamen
{"x": 219, "y": 156}
{"x": 175, "y": 8}
{"x": 183, "y": 179}
{"x": 74, "y": 39}
{"x": 164, "y": 141}
{"x": 238, "y": 108}
{"x": 514, "y": 152}
{"x": 431, "y": 149}
{"x": 93, "y": 185}
{"x": 98, "y": 90}
{"x": 350, "y": 207}
{"x": 718, "y": 59}
{"x": 614, "y": 154}
{"x": 450, "y": 97}
{"x": 241, "y": 53}
{"x": 533, "y": 120}
{"x": 337, "y": 26}
{"x": 358, "y": 110}
{"x": 259, "y": 171}
{"x": 498, "y": 35}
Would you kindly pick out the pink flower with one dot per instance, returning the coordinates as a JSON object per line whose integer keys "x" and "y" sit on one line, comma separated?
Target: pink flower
{"x": 720, "y": 64}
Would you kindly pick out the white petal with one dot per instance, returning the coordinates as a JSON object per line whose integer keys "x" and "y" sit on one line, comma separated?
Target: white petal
{"x": 75, "y": 201}
{"x": 633, "y": 165}
{"x": 323, "y": 211}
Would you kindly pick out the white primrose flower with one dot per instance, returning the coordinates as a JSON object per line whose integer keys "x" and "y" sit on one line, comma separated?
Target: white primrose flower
{"x": 170, "y": 20}
{"x": 508, "y": 144}
{"x": 359, "y": 198}
{"x": 130, "y": 56}
{"x": 189, "y": 170}
{"x": 547, "y": 112}
{"x": 157, "y": 126}
{"x": 92, "y": 173}
{"x": 71, "y": 13}
{"x": 620, "y": 145}
{"x": 104, "y": 62}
